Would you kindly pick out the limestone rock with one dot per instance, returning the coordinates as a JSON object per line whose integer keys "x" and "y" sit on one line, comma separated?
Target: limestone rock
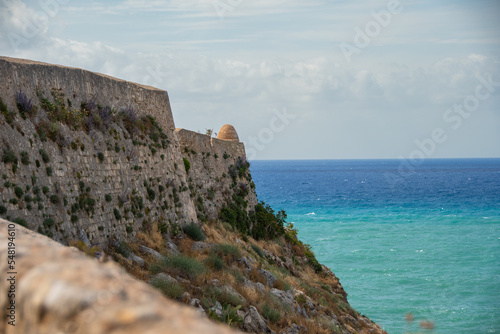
{"x": 83, "y": 237}
{"x": 162, "y": 277}
{"x": 136, "y": 259}
{"x": 270, "y": 278}
{"x": 146, "y": 250}
{"x": 172, "y": 248}
{"x": 228, "y": 289}
{"x": 285, "y": 297}
{"x": 201, "y": 246}
{"x": 196, "y": 303}
{"x": 253, "y": 322}
{"x": 245, "y": 262}
{"x": 254, "y": 285}
{"x": 295, "y": 329}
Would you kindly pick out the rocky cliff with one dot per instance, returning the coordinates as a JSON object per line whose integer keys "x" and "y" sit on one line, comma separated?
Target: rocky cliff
{"x": 96, "y": 164}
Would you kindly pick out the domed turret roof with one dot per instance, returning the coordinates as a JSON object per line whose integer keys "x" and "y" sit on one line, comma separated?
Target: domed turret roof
{"x": 228, "y": 132}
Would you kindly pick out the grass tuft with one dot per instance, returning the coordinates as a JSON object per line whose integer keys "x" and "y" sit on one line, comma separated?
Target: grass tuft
{"x": 181, "y": 265}
{"x": 194, "y": 232}
{"x": 171, "y": 289}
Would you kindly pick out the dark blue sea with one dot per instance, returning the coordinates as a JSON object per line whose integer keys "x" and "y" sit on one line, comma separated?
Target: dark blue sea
{"x": 401, "y": 238}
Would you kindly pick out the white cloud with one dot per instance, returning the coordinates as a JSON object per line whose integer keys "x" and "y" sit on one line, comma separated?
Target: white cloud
{"x": 373, "y": 97}
{"x": 21, "y": 26}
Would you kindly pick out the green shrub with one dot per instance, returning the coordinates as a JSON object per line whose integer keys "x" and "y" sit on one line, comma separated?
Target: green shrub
{"x": 271, "y": 313}
{"x": 187, "y": 164}
{"x": 9, "y": 115}
{"x": 214, "y": 262}
{"x": 117, "y": 214}
{"x": 108, "y": 198}
{"x": 228, "y": 315}
{"x": 48, "y": 223}
{"x": 151, "y": 194}
{"x": 240, "y": 278}
{"x": 41, "y": 133}
{"x": 3, "y": 210}
{"x": 20, "y": 221}
{"x": 129, "y": 229}
{"x": 14, "y": 201}
{"x": 194, "y": 232}
{"x": 19, "y": 192}
{"x": 236, "y": 215}
{"x": 9, "y": 156}
{"x": 231, "y": 252}
{"x": 25, "y": 160}
{"x": 181, "y": 265}
{"x": 45, "y": 156}
{"x": 100, "y": 156}
{"x": 74, "y": 218}
{"x": 49, "y": 171}
{"x": 45, "y": 189}
{"x": 312, "y": 259}
{"x": 258, "y": 250}
{"x": 54, "y": 199}
{"x": 122, "y": 248}
{"x": 267, "y": 224}
{"x": 223, "y": 296}
{"x": 171, "y": 289}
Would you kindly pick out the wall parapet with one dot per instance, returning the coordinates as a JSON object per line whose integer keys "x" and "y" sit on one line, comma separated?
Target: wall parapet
{"x": 80, "y": 85}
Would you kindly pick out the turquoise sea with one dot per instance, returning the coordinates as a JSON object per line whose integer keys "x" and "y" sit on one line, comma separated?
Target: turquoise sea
{"x": 402, "y": 239}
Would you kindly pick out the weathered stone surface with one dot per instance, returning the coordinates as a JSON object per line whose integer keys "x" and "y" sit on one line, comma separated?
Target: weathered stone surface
{"x": 245, "y": 262}
{"x": 270, "y": 278}
{"x": 285, "y": 297}
{"x": 201, "y": 246}
{"x": 227, "y": 288}
{"x": 253, "y": 322}
{"x": 210, "y": 160}
{"x": 254, "y": 285}
{"x": 78, "y": 85}
{"x": 196, "y": 303}
{"x": 83, "y": 237}
{"x": 137, "y": 260}
{"x": 164, "y": 278}
{"x": 172, "y": 248}
{"x": 152, "y": 252}
{"x": 295, "y": 329}
{"x": 60, "y": 290}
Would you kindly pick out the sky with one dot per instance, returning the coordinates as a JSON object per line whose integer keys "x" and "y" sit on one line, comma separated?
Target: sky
{"x": 298, "y": 79}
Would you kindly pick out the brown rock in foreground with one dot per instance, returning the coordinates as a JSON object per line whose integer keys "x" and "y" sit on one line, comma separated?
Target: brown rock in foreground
{"x": 60, "y": 290}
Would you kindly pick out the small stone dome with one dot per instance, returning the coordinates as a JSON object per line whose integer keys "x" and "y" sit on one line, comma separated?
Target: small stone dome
{"x": 228, "y": 132}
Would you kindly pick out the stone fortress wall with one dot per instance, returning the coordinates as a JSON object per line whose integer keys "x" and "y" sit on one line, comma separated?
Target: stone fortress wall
{"x": 134, "y": 184}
